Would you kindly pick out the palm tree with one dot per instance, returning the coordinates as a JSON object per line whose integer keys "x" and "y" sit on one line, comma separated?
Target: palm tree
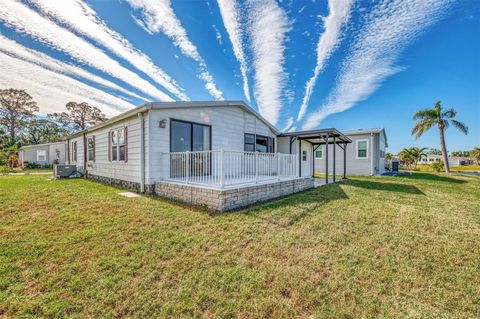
{"x": 427, "y": 118}
{"x": 406, "y": 157}
{"x": 417, "y": 153}
{"x": 475, "y": 154}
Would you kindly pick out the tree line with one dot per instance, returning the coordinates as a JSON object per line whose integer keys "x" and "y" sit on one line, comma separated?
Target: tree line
{"x": 20, "y": 125}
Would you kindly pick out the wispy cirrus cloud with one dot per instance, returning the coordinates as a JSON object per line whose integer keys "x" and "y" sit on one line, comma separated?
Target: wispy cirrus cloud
{"x": 229, "y": 10}
{"x": 19, "y": 51}
{"x": 339, "y": 12}
{"x": 81, "y": 18}
{"x": 25, "y": 20}
{"x": 157, "y": 16}
{"x": 52, "y": 90}
{"x": 388, "y": 29}
{"x": 268, "y": 25}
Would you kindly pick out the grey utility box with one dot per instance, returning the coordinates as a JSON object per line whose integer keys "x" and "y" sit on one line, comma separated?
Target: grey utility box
{"x": 65, "y": 171}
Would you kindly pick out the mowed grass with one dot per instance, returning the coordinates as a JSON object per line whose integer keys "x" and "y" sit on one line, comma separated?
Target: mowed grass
{"x": 384, "y": 247}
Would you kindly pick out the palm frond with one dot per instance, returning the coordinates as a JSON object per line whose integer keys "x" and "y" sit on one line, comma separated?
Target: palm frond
{"x": 460, "y": 126}
{"x": 422, "y": 126}
{"x": 446, "y": 123}
{"x": 425, "y": 114}
{"x": 450, "y": 113}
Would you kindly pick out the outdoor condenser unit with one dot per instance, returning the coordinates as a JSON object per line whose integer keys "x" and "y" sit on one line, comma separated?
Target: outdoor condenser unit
{"x": 65, "y": 171}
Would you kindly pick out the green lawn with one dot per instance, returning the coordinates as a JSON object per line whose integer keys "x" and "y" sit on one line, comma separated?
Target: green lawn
{"x": 371, "y": 247}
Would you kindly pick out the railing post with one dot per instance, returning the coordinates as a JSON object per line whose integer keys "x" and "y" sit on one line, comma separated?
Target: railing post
{"x": 256, "y": 167}
{"x": 187, "y": 166}
{"x": 278, "y": 165}
{"x": 222, "y": 169}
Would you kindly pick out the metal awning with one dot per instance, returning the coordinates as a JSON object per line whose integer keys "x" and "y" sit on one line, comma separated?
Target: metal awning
{"x": 317, "y": 138}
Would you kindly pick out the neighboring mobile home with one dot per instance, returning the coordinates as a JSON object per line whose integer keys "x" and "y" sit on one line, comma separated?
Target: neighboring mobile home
{"x": 220, "y": 154}
{"x": 364, "y": 156}
{"x": 452, "y": 160}
{"x": 43, "y": 154}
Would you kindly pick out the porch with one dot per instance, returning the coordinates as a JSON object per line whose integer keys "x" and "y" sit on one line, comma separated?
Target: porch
{"x": 229, "y": 169}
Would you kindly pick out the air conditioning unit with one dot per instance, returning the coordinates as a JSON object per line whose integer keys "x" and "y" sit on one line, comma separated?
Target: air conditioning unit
{"x": 66, "y": 171}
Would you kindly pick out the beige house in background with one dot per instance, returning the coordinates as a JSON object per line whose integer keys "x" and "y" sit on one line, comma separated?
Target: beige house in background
{"x": 43, "y": 154}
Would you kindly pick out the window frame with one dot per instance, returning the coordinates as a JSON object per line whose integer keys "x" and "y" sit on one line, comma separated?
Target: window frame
{"x": 74, "y": 151}
{"x": 254, "y": 144}
{"x": 367, "y": 150}
{"x": 44, "y": 154}
{"x": 322, "y": 149}
{"x": 92, "y": 138}
{"x": 270, "y": 143}
{"x": 118, "y": 131}
{"x": 191, "y": 133}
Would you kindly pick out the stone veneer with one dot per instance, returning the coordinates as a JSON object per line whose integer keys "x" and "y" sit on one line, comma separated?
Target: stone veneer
{"x": 230, "y": 199}
{"x": 149, "y": 189}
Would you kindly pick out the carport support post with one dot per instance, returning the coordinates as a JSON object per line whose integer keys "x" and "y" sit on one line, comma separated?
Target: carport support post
{"x": 334, "y": 160}
{"x": 299, "y": 157}
{"x": 326, "y": 159}
{"x": 345, "y": 160}
{"x": 315, "y": 148}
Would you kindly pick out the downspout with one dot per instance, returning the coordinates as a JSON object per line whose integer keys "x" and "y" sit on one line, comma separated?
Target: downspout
{"x": 372, "y": 169}
{"x": 142, "y": 153}
{"x": 68, "y": 151}
{"x": 85, "y": 154}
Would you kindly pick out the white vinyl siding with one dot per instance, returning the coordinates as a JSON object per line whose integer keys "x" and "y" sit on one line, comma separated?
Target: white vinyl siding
{"x": 121, "y": 170}
{"x": 355, "y": 166}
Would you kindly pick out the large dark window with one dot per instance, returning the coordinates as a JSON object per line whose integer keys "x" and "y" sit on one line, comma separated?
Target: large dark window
{"x": 259, "y": 143}
{"x": 186, "y": 136}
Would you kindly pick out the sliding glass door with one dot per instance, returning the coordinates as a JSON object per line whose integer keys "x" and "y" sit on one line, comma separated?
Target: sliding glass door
{"x": 193, "y": 137}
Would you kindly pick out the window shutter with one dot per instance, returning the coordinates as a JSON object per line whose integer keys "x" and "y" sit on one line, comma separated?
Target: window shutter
{"x": 94, "y": 148}
{"x": 126, "y": 144}
{"x": 109, "y": 146}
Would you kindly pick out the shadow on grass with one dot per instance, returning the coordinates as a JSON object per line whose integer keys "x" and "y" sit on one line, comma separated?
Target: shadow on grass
{"x": 386, "y": 186}
{"x": 289, "y": 210}
{"x": 432, "y": 177}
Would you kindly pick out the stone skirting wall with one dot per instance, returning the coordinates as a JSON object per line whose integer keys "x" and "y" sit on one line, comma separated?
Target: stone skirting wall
{"x": 149, "y": 189}
{"x": 230, "y": 199}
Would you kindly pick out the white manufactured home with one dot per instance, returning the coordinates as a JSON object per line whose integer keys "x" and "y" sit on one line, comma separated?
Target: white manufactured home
{"x": 43, "y": 154}
{"x": 222, "y": 155}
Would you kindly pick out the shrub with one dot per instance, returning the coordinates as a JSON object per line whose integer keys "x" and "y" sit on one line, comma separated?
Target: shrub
{"x": 437, "y": 166}
{"x": 31, "y": 165}
{"x": 4, "y": 169}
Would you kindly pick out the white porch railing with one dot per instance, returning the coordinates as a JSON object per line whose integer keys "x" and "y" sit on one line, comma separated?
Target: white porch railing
{"x": 221, "y": 169}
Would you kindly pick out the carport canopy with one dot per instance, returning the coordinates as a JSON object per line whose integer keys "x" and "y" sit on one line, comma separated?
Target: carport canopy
{"x": 317, "y": 138}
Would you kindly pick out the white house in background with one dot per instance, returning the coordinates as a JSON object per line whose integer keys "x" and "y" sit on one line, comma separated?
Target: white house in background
{"x": 43, "y": 154}
{"x": 452, "y": 160}
{"x": 364, "y": 156}
{"x": 220, "y": 154}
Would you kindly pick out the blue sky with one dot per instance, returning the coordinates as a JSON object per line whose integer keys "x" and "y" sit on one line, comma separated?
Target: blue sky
{"x": 303, "y": 64}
